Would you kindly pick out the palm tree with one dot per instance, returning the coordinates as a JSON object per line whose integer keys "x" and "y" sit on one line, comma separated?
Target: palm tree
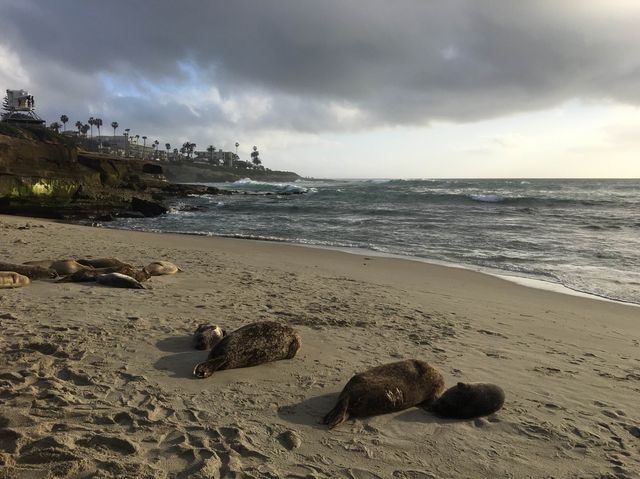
{"x": 98, "y": 123}
{"x": 64, "y": 119}
{"x": 79, "y": 126}
{"x": 237, "y": 145}
{"x": 254, "y": 157}
{"x": 91, "y": 123}
{"x": 211, "y": 149}
{"x": 175, "y": 154}
{"x": 114, "y": 125}
{"x": 126, "y": 142}
{"x": 155, "y": 144}
{"x": 55, "y": 126}
{"x": 137, "y": 138}
{"x": 144, "y": 145}
{"x": 84, "y": 129}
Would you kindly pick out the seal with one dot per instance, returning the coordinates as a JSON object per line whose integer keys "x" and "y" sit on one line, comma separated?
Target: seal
{"x": 387, "y": 388}
{"x": 86, "y": 275}
{"x": 118, "y": 280}
{"x": 31, "y": 272}
{"x": 62, "y": 267}
{"x": 468, "y": 400}
{"x": 103, "y": 262}
{"x": 159, "y": 268}
{"x": 11, "y": 279}
{"x": 207, "y": 336}
{"x": 253, "y": 344}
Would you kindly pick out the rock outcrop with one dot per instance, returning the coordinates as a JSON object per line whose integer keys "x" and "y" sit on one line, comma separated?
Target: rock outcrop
{"x": 44, "y": 174}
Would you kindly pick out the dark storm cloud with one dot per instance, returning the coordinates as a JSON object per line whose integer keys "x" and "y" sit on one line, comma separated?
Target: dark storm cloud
{"x": 402, "y": 62}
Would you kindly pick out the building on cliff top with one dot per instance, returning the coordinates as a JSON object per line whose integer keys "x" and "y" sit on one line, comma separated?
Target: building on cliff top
{"x": 19, "y": 109}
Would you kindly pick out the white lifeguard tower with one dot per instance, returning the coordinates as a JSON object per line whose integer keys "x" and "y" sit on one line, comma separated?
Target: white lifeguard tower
{"x": 19, "y": 109}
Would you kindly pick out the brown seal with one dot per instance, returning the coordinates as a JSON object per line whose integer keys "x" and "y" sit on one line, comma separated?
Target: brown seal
{"x": 31, "y": 272}
{"x": 11, "y": 279}
{"x": 207, "y": 336}
{"x": 159, "y": 268}
{"x": 62, "y": 267}
{"x": 89, "y": 274}
{"x": 253, "y": 344}
{"x": 387, "y": 388}
{"x": 103, "y": 262}
{"x": 469, "y": 400}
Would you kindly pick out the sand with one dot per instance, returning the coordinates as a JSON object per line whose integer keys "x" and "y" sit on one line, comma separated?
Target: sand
{"x": 97, "y": 382}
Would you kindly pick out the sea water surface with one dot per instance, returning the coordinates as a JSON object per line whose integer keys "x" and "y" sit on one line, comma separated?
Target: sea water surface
{"x": 582, "y": 234}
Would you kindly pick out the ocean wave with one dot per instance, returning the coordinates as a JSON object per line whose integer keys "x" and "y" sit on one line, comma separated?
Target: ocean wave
{"x": 487, "y": 198}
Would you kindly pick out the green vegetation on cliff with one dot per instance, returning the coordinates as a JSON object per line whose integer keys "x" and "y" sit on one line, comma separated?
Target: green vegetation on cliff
{"x": 190, "y": 172}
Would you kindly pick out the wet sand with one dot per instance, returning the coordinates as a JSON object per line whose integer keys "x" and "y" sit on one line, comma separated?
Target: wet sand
{"x": 97, "y": 382}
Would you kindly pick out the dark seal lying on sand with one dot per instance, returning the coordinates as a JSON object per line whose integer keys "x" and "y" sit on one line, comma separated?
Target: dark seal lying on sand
{"x": 469, "y": 400}
{"x": 118, "y": 280}
{"x": 103, "y": 262}
{"x": 387, "y": 388}
{"x": 253, "y": 344}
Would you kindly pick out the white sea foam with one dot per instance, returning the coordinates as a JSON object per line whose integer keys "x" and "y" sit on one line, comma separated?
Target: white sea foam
{"x": 487, "y": 198}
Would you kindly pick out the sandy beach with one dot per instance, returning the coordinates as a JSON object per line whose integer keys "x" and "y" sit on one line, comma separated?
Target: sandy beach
{"x": 97, "y": 382}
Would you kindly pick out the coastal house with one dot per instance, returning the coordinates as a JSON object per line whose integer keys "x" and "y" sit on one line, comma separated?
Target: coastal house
{"x": 225, "y": 158}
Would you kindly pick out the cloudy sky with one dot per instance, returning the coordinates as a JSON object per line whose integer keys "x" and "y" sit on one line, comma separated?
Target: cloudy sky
{"x": 348, "y": 88}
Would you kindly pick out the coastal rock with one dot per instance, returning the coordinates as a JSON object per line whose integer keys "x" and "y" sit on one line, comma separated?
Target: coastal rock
{"x": 147, "y": 208}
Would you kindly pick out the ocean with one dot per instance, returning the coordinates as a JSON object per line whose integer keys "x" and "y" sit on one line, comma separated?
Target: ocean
{"x": 582, "y": 234}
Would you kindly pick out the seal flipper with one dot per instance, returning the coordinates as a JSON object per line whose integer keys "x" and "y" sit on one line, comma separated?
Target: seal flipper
{"x": 338, "y": 414}
{"x": 207, "y": 368}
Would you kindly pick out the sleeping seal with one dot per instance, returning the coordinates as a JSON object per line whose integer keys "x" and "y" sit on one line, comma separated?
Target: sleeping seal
{"x": 159, "y": 268}
{"x": 253, "y": 344}
{"x": 387, "y": 388}
{"x": 31, "y": 272}
{"x": 118, "y": 280}
{"x": 10, "y": 279}
{"x": 103, "y": 262}
{"x": 469, "y": 400}
{"x": 207, "y": 336}
{"x": 62, "y": 267}
{"x": 88, "y": 274}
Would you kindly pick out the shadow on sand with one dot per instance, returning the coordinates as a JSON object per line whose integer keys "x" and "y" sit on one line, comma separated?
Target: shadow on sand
{"x": 180, "y": 364}
{"x": 177, "y": 344}
{"x": 310, "y": 411}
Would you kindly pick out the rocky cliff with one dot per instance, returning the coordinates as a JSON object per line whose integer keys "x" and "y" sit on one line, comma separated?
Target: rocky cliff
{"x": 44, "y": 174}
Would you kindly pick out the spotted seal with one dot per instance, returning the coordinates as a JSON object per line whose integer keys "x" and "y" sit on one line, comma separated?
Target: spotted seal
{"x": 387, "y": 388}
{"x": 11, "y": 279}
{"x": 118, "y": 280}
{"x": 253, "y": 344}
{"x": 31, "y": 272}
{"x": 469, "y": 400}
{"x": 207, "y": 336}
{"x": 159, "y": 268}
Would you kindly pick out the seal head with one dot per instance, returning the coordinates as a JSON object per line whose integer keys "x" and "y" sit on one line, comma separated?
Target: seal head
{"x": 207, "y": 336}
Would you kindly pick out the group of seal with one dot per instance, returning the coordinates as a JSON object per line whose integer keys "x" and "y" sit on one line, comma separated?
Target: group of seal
{"x": 380, "y": 390}
{"x": 106, "y": 271}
